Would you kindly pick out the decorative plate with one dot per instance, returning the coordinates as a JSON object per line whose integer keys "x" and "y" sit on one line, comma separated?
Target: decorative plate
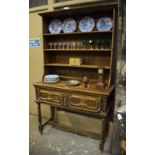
{"x": 72, "y": 82}
{"x": 86, "y": 24}
{"x": 69, "y": 25}
{"x": 55, "y": 26}
{"x": 104, "y": 24}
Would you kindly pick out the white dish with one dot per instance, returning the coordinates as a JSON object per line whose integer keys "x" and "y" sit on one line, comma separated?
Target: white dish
{"x": 55, "y": 26}
{"x": 104, "y": 24}
{"x": 52, "y": 81}
{"x": 51, "y": 78}
{"x": 69, "y": 25}
{"x": 87, "y": 24}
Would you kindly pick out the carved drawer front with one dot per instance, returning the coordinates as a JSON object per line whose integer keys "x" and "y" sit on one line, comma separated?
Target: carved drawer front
{"x": 85, "y": 103}
{"x": 53, "y": 97}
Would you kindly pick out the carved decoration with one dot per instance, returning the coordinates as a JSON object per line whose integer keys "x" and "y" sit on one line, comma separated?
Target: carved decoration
{"x": 83, "y": 102}
{"x": 53, "y": 97}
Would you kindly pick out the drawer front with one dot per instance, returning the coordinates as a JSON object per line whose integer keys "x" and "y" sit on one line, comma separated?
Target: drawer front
{"x": 85, "y": 103}
{"x": 53, "y": 97}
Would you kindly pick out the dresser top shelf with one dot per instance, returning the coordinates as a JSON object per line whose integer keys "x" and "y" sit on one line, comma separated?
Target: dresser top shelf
{"x": 79, "y": 10}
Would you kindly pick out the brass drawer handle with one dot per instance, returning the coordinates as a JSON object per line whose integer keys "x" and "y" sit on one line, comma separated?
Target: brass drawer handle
{"x": 50, "y": 98}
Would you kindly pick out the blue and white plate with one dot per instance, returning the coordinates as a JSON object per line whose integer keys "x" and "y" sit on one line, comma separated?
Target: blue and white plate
{"x": 104, "y": 24}
{"x": 69, "y": 25}
{"x": 86, "y": 24}
{"x": 55, "y": 26}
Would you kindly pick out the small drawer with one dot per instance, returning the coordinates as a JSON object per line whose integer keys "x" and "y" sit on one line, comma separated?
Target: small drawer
{"x": 53, "y": 97}
{"x": 85, "y": 103}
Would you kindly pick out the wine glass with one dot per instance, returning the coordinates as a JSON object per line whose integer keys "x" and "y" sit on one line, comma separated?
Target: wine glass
{"x": 90, "y": 44}
{"x": 54, "y": 45}
{"x": 102, "y": 44}
{"x": 50, "y": 45}
{"x": 97, "y": 44}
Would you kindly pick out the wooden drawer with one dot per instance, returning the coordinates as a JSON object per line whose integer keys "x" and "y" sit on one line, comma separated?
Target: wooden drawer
{"x": 51, "y": 96}
{"x": 85, "y": 103}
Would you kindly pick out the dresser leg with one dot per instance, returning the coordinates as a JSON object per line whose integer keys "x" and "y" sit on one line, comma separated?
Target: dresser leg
{"x": 102, "y": 141}
{"x": 101, "y": 145}
{"x": 55, "y": 116}
{"x": 40, "y": 119}
{"x": 52, "y": 114}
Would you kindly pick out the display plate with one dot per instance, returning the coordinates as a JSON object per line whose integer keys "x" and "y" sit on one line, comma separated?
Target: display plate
{"x": 69, "y": 25}
{"x": 86, "y": 24}
{"x": 55, "y": 26}
{"x": 104, "y": 24}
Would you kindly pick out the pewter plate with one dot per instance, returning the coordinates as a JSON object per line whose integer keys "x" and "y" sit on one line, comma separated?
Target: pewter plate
{"x": 72, "y": 83}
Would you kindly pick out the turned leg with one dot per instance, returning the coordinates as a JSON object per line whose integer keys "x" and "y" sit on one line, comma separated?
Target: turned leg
{"x": 51, "y": 108}
{"x": 52, "y": 114}
{"x": 55, "y": 115}
{"x": 40, "y": 118}
{"x": 102, "y": 141}
{"x": 104, "y": 134}
{"x": 101, "y": 146}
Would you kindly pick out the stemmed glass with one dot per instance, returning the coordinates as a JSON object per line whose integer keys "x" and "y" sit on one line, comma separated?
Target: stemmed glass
{"x": 77, "y": 44}
{"x": 102, "y": 41}
{"x": 73, "y": 44}
{"x": 68, "y": 45}
{"x": 80, "y": 44}
{"x": 85, "y": 43}
{"x": 54, "y": 45}
{"x": 91, "y": 44}
{"x": 50, "y": 45}
{"x": 97, "y": 44}
{"x": 60, "y": 45}
{"x": 65, "y": 45}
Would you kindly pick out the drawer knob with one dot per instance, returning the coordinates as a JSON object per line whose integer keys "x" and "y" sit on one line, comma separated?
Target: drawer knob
{"x": 50, "y": 98}
{"x": 82, "y": 105}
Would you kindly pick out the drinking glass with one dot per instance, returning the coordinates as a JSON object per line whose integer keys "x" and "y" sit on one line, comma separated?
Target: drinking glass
{"x": 84, "y": 44}
{"x": 54, "y": 45}
{"x": 73, "y": 44}
{"x": 80, "y": 44}
{"x": 60, "y": 45}
{"x": 97, "y": 44}
{"x": 102, "y": 44}
{"x": 50, "y": 45}
{"x": 65, "y": 45}
{"x": 90, "y": 44}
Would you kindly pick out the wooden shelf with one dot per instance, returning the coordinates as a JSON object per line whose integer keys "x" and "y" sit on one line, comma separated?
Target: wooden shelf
{"x": 79, "y": 50}
{"x": 80, "y": 10}
{"x": 81, "y": 66}
{"x": 78, "y": 33}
